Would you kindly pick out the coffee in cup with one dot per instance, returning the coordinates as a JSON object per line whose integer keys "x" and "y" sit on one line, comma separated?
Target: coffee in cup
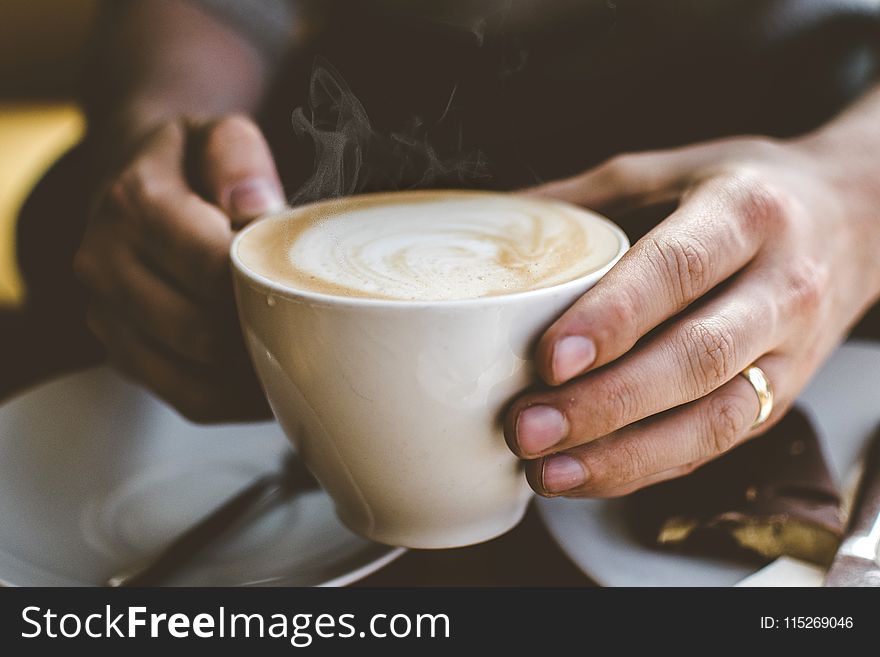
{"x": 430, "y": 246}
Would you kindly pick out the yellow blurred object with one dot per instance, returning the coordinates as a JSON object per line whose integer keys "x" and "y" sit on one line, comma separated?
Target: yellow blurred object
{"x": 32, "y": 137}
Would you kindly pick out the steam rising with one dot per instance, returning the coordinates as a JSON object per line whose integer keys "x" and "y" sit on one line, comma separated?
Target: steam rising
{"x": 350, "y": 156}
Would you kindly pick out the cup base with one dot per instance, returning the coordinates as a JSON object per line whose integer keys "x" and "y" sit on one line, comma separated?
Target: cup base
{"x": 440, "y": 538}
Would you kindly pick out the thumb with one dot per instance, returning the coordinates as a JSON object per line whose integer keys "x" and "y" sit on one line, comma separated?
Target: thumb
{"x": 238, "y": 171}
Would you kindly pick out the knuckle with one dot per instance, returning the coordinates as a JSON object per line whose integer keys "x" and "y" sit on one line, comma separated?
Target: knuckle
{"x": 711, "y": 354}
{"x": 683, "y": 263}
{"x": 619, "y": 167}
{"x": 616, "y": 403}
{"x": 139, "y": 187}
{"x": 141, "y": 182}
{"x": 807, "y": 286}
{"x": 231, "y": 129}
{"x": 623, "y": 318}
{"x": 759, "y": 205}
{"x": 726, "y": 424}
{"x": 634, "y": 463}
{"x": 118, "y": 196}
{"x": 628, "y": 463}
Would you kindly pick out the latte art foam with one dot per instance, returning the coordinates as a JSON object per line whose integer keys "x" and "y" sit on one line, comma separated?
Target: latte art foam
{"x": 429, "y": 246}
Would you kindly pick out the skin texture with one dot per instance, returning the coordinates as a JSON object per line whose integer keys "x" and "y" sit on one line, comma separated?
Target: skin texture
{"x": 769, "y": 258}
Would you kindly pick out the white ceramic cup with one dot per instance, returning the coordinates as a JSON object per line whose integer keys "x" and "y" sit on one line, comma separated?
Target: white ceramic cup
{"x": 396, "y": 405}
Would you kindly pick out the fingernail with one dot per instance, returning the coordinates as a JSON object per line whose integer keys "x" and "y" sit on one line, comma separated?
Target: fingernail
{"x": 571, "y": 356}
{"x": 539, "y": 428}
{"x": 561, "y": 473}
{"x": 254, "y": 197}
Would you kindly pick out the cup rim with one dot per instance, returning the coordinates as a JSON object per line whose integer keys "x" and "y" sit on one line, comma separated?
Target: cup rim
{"x": 285, "y": 291}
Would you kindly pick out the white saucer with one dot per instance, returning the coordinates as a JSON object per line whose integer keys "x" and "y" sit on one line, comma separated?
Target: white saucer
{"x": 844, "y": 402}
{"x": 96, "y": 473}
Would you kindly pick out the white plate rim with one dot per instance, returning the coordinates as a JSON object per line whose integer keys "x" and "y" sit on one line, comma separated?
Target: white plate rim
{"x": 17, "y": 569}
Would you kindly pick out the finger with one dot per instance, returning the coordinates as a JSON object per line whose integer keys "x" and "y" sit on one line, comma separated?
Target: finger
{"x": 199, "y": 393}
{"x": 627, "y": 181}
{"x": 633, "y": 180}
{"x": 665, "y": 446}
{"x": 712, "y": 235}
{"x": 238, "y": 170}
{"x": 535, "y": 474}
{"x": 155, "y": 307}
{"x": 179, "y": 235}
{"x": 686, "y": 360}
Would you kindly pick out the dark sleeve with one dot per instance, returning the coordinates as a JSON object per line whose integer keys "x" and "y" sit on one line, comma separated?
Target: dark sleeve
{"x": 267, "y": 24}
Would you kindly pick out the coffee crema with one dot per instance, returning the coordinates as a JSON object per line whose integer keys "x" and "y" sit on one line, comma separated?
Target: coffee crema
{"x": 429, "y": 245}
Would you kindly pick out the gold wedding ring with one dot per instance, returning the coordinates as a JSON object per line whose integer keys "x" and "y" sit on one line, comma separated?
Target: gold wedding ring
{"x": 755, "y": 375}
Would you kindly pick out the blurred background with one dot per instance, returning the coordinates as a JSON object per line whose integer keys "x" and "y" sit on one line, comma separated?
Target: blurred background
{"x": 42, "y": 47}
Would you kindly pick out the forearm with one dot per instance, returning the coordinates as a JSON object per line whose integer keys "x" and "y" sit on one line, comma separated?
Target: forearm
{"x": 852, "y": 138}
{"x": 159, "y": 59}
{"x": 848, "y": 151}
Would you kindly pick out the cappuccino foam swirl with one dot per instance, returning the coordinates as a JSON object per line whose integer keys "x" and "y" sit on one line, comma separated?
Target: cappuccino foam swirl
{"x": 430, "y": 246}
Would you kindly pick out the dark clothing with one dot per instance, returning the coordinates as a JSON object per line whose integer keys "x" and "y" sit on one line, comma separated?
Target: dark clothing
{"x": 546, "y": 93}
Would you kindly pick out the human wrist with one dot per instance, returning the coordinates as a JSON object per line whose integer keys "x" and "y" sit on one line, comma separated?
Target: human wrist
{"x": 849, "y": 165}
